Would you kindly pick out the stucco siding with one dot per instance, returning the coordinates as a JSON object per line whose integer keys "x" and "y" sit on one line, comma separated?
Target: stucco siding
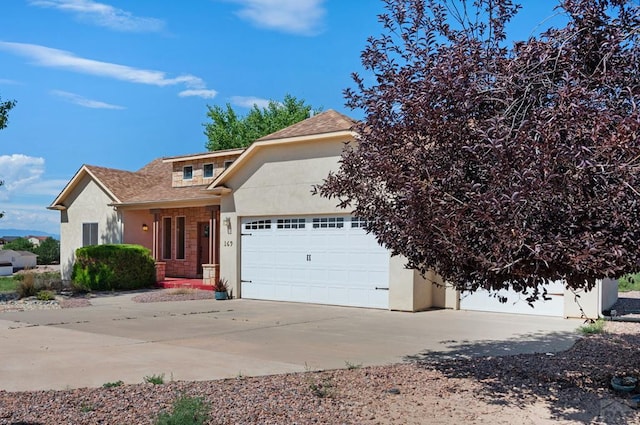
{"x": 87, "y": 203}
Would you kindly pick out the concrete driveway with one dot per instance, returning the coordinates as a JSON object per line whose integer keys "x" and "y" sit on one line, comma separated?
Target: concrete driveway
{"x": 118, "y": 339}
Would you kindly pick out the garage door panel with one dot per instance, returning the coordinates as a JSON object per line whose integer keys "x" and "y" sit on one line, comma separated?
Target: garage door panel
{"x": 313, "y": 262}
{"x": 482, "y": 300}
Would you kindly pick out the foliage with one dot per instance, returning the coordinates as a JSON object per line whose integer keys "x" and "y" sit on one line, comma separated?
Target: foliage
{"x": 592, "y": 328}
{"x": 27, "y": 286}
{"x": 186, "y": 411}
{"x": 48, "y": 251}
{"x": 113, "y": 267}
{"x": 20, "y": 244}
{"x": 5, "y": 107}
{"x": 46, "y": 295}
{"x": 112, "y": 384}
{"x": 629, "y": 282}
{"x": 154, "y": 379}
{"x": 500, "y": 165}
{"x": 227, "y": 130}
{"x": 8, "y": 284}
{"x": 221, "y": 285}
{"x": 323, "y": 389}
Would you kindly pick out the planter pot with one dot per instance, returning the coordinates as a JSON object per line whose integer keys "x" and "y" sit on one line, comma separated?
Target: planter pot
{"x": 221, "y": 295}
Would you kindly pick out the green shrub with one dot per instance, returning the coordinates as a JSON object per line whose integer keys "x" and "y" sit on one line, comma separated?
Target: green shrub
{"x": 186, "y": 411}
{"x": 154, "y": 379}
{"x": 630, "y": 282}
{"x": 113, "y": 267}
{"x": 112, "y": 384}
{"x": 46, "y": 295}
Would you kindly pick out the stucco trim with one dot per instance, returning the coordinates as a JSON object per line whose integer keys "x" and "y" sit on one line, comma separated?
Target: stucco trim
{"x": 259, "y": 144}
{"x": 199, "y": 156}
{"x": 58, "y": 203}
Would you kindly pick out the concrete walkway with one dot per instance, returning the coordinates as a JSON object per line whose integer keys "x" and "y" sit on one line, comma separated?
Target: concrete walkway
{"x": 118, "y": 339}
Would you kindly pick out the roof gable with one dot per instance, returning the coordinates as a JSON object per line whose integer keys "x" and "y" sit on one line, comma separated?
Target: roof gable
{"x": 326, "y": 122}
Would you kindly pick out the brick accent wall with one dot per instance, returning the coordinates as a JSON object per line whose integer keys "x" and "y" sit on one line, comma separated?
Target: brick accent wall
{"x": 189, "y": 266}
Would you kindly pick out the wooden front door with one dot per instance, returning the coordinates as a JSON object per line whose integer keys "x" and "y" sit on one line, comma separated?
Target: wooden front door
{"x": 204, "y": 233}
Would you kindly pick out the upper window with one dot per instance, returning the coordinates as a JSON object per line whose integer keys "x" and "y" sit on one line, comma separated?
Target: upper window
{"x": 89, "y": 234}
{"x": 187, "y": 172}
{"x": 207, "y": 170}
{"x": 328, "y": 223}
{"x": 228, "y": 163}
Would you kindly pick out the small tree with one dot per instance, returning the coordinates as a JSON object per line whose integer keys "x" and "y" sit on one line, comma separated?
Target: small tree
{"x": 229, "y": 131}
{"x": 5, "y": 107}
{"x": 48, "y": 251}
{"x": 497, "y": 165}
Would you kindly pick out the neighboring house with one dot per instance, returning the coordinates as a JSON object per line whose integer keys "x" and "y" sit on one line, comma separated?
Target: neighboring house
{"x": 36, "y": 240}
{"x": 19, "y": 259}
{"x": 249, "y": 216}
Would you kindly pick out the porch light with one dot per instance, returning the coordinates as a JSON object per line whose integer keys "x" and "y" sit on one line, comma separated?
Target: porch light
{"x": 145, "y": 227}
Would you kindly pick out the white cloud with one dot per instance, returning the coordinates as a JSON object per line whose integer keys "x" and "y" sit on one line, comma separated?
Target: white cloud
{"x": 103, "y": 15}
{"x": 23, "y": 183}
{"x": 30, "y": 217}
{"x": 8, "y": 82}
{"x": 249, "y": 101}
{"x": 83, "y": 101}
{"x": 303, "y": 17}
{"x": 54, "y": 58}
{"x": 19, "y": 172}
{"x": 204, "y": 93}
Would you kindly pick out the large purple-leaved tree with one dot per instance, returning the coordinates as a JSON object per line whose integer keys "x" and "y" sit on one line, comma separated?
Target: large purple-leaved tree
{"x": 500, "y": 164}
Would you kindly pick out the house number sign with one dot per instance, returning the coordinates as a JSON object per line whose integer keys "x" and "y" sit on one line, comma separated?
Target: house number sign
{"x": 228, "y": 243}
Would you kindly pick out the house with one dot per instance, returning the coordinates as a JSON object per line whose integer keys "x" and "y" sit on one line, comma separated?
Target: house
{"x": 19, "y": 260}
{"x": 36, "y": 240}
{"x": 249, "y": 216}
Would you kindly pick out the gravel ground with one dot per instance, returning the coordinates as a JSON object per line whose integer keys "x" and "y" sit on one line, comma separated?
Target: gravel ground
{"x": 571, "y": 387}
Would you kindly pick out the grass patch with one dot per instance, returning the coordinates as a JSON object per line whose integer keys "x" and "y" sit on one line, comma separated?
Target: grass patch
{"x": 630, "y": 282}
{"x": 154, "y": 379}
{"x": 352, "y": 366}
{"x": 186, "y": 411}
{"x": 8, "y": 284}
{"x": 596, "y": 327}
{"x": 46, "y": 295}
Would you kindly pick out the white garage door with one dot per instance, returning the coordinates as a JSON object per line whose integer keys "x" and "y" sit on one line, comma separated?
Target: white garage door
{"x": 516, "y": 303}
{"x": 325, "y": 260}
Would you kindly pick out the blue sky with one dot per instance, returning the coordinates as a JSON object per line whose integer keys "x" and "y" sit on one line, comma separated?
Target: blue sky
{"x": 118, "y": 83}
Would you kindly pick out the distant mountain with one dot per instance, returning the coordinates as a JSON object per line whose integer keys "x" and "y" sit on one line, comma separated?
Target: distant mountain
{"x": 22, "y": 233}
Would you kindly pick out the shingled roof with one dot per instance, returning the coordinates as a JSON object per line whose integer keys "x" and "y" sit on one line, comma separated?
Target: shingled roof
{"x": 329, "y": 121}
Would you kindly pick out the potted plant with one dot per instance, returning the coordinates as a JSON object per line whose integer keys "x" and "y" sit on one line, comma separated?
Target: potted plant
{"x": 221, "y": 289}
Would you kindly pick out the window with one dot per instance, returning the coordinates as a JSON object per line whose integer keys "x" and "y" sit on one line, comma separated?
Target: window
{"x": 180, "y": 232}
{"x": 358, "y": 222}
{"x": 291, "y": 223}
{"x": 187, "y": 172}
{"x": 228, "y": 163}
{"x": 258, "y": 225}
{"x": 89, "y": 234}
{"x": 207, "y": 171}
{"x": 328, "y": 223}
{"x": 166, "y": 238}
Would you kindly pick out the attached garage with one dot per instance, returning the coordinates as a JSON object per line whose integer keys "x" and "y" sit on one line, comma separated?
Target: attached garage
{"x": 319, "y": 259}
{"x": 516, "y": 303}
